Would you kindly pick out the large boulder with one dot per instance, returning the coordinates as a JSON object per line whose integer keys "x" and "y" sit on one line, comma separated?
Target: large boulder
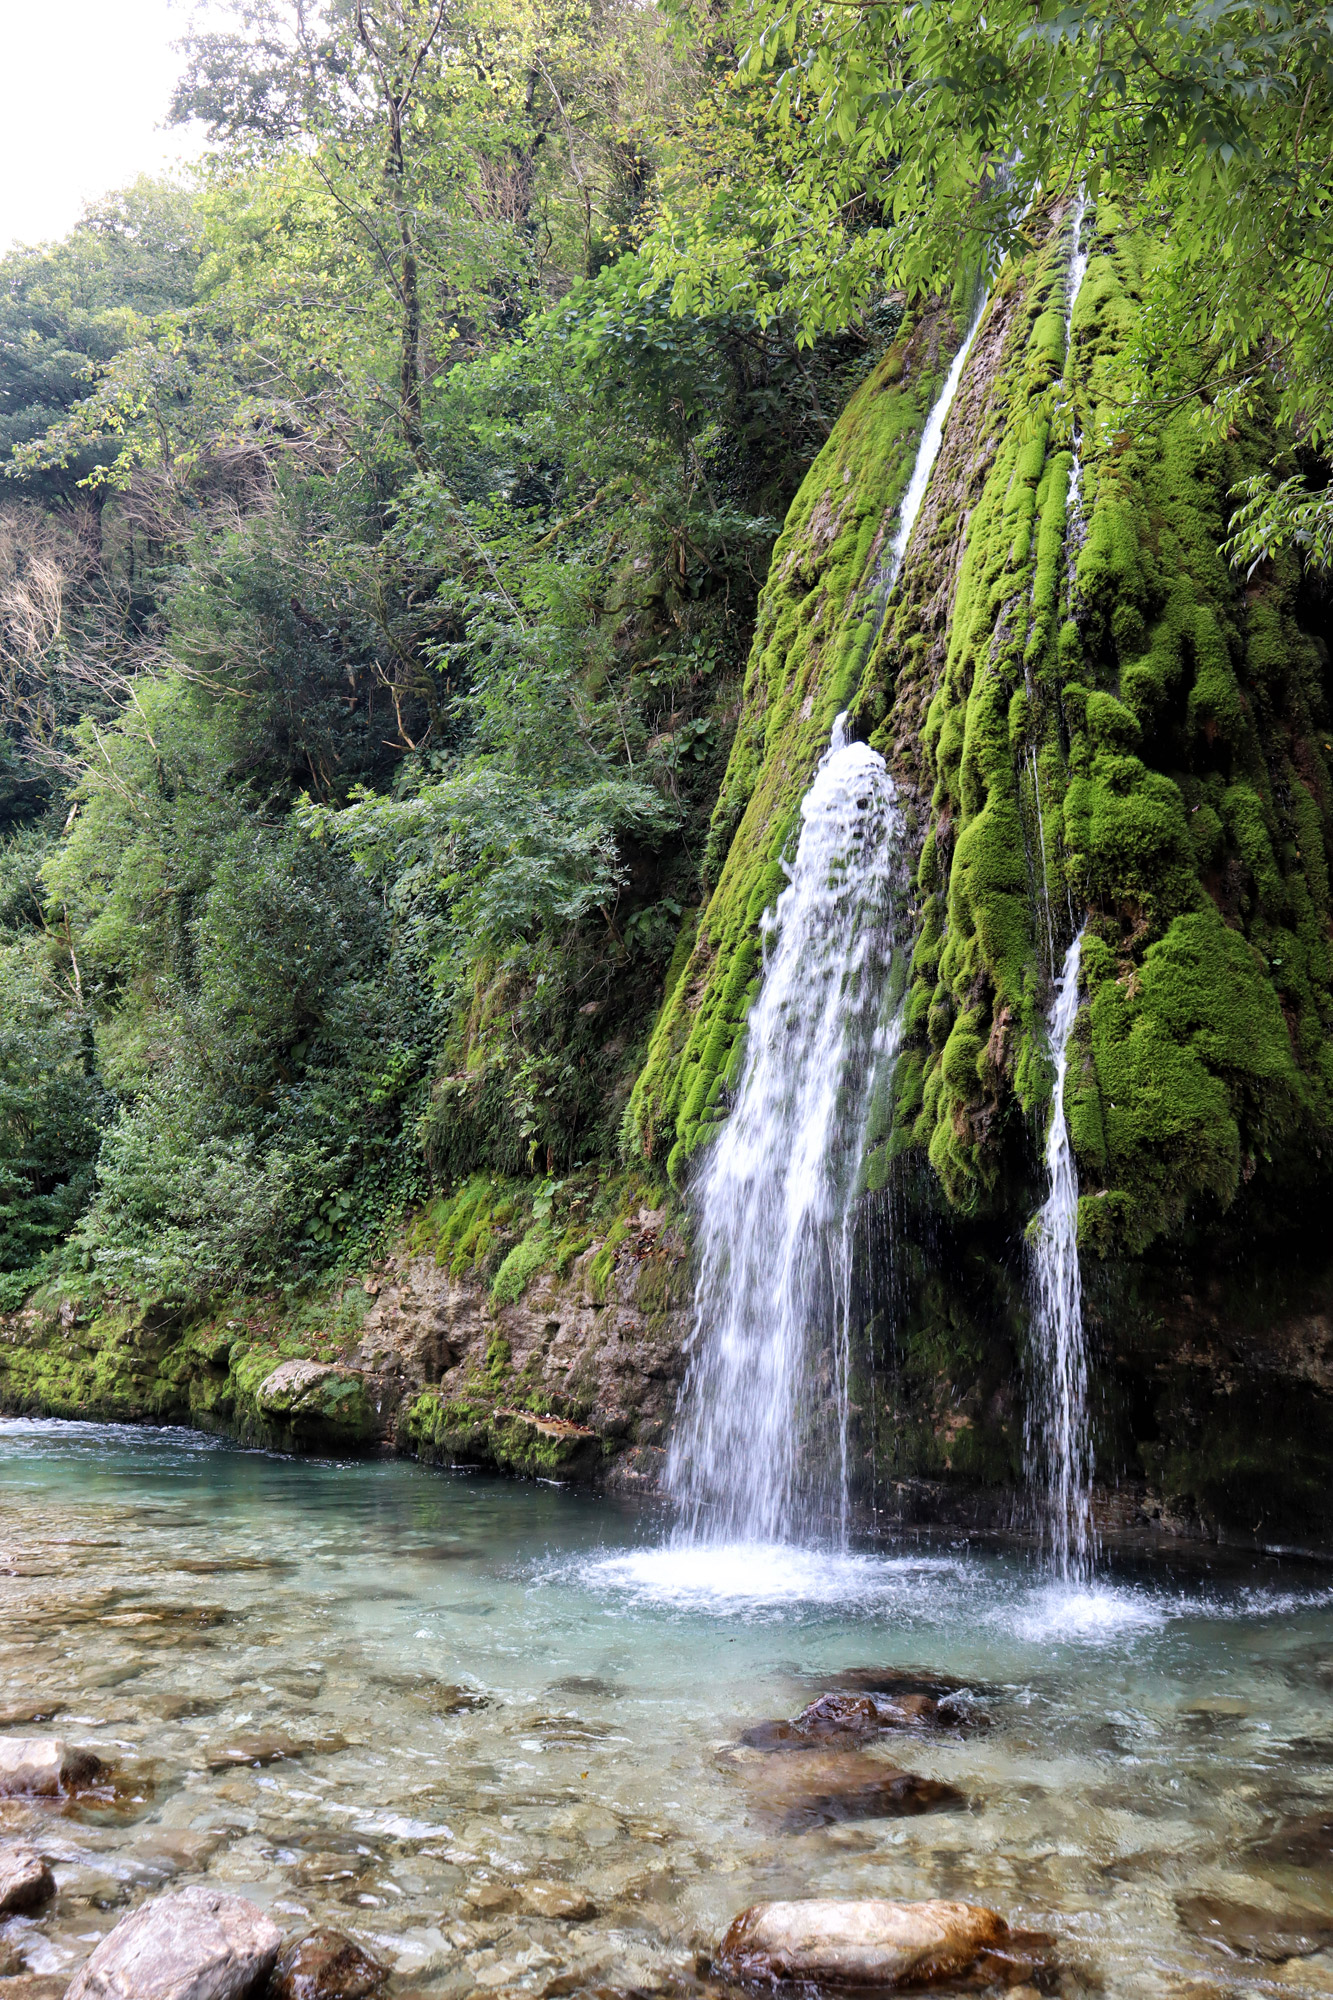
{"x": 25, "y": 1878}
{"x": 197, "y": 1945}
{"x": 861, "y": 1944}
{"x": 44, "y": 1766}
{"x": 317, "y": 1399}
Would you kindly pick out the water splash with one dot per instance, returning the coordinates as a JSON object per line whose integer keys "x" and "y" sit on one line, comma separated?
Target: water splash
{"x": 1058, "y": 1445}
{"x": 932, "y": 437}
{"x": 760, "y": 1449}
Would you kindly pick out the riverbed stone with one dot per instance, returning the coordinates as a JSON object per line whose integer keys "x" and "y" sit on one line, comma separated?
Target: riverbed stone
{"x": 25, "y": 1878}
{"x": 872, "y": 1943}
{"x": 327, "y": 1965}
{"x": 823, "y": 1787}
{"x": 197, "y": 1945}
{"x": 44, "y": 1766}
{"x": 251, "y": 1747}
{"x": 850, "y": 1717}
{"x": 558, "y": 1900}
{"x": 1305, "y": 1843}
{"x": 1244, "y": 1931}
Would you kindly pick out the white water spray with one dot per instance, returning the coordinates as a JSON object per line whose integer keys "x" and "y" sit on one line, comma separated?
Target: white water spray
{"x": 763, "y": 1388}
{"x": 1075, "y": 528}
{"x": 1059, "y": 1450}
{"x": 932, "y": 437}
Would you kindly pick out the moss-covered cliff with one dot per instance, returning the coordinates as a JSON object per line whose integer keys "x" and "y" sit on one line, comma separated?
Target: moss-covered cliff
{"x": 1095, "y": 720}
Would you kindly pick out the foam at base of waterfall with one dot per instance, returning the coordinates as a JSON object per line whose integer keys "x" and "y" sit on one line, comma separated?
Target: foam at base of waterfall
{"x": 744, "y": 1576}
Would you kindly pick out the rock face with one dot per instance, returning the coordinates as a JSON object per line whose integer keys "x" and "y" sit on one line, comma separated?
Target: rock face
{"x": 860, "y": 1944}
{"x": 327, "y": 1966}
{"x": 198, "y": 1945}
{"x": 25, "y": 1878}
{"x": 44, "y": 1765}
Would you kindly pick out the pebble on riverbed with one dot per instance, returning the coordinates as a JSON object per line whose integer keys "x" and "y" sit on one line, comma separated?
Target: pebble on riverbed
{"x": 327, "y": 1966}
{"x": 44, "y": 1766}
{"x": 822, "y": 1787}
{"x": 25, "y": 1878}
{"x": 197, "y": 1945}
{"x": 873, "y": 1943}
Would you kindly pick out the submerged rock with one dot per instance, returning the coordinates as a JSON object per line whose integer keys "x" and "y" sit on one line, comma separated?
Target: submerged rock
{"x": 25, "y": 1878}
{"x": 822, "y": 1787}
{"x": 327, "y": 1966}
{"x": 44, "y": 1766}
{"x": 1246, "y": 1932}
{"x": 557, "y": 1899}
{"x": 198, "y": 1945}
{"x": 853, "y": 1717}
{"x": 1299, "y": 1843}
{"x": 862, "y": 1944}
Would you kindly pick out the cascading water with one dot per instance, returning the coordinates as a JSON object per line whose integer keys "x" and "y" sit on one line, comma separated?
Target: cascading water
{"x": 1058, "y": 1445}
{"x": 752, "y": 1458}
{"x": 932, "y": 437}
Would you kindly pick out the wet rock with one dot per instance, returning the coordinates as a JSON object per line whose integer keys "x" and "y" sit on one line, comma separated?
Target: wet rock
{"x": 557, "y": 1899}
{"x": 852, "y": 1717}
{"x": 490, "y": 1897}
{"x": 327, "y": 1966}
{"x": 35, "y": 1986}
{"x": 1243, "y": 1931}
{"x": 872, "y": 1943}
{"x": 172, "y": 1851}
{"x": 334, "y": 1870}
{"x": 823, "y": 1787}
{"x": 25, "y": 1878}
{"x": 1300, "y": 1843}
{"x": 197, "y": 1945}
{"x": 44, "y": 1766}
{"x": 892, "y": 1681}
{"x": 182, "y": 1707}
{"x": 22, "y": 1714}
{"x": 263, "y": 1746}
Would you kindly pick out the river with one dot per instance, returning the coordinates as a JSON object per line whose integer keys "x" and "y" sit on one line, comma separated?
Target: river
{"x": 466, "y": 1686}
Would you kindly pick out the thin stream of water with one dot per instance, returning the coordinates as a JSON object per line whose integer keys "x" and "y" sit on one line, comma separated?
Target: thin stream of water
{"x": 1058, "y": 1441}
{"x": 932, "y": 437}
{"x": 761, "y": 1433}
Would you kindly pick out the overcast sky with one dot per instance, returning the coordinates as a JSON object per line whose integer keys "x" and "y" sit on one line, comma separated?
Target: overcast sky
{"x": 84, "y": 87}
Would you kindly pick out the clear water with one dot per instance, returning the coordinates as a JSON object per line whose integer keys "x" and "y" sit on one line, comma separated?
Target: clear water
{"x": 762, "y": 1433}
{"x": 1143, "y": 1739}
{"x": 1059, "y": 1449}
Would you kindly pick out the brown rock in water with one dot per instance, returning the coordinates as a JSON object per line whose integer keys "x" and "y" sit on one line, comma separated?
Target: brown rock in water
{"x": 327, "y": 1966}
{"x": 20, "y": 1714}
{"x": 25, "y": 1878}
{"x": 1243, "y": 1931}
{"x": 892, "y": 1681}
{"x": 44, "y": 1766}
{"x": 1299, "y": 1843}
{"x": 557, "y": 1899}
{"x": 823, "y": 1787}
{"x": 850, "y": 1717}
{"x": 490, "y": 1897}
{"x": 861, "y": 1944}
{"x": 265, "y": 1746}
{"x": 198, "y": 1945}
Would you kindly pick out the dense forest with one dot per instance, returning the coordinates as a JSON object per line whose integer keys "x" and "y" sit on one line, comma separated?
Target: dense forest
{"x": 386, "y": 517}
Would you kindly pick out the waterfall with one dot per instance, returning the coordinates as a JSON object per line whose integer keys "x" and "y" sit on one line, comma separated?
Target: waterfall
{"x": 932, "y": 437}
{"x": 760, "y": 1448}
{"x": 1058, "y": 1445}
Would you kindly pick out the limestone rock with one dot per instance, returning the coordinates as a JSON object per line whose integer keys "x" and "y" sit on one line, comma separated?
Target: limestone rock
{"x": 197, "y": 1945}
{"x": 860, "y": 1944}
{"x": 327, "y": 1966}
{"x": 44, "y": 1765}
{"x": 557, "y": 1899}
{"x": 317, "y": 1396}
{"x": 850, "y": 1717}
{"x": 25, "y": 1878}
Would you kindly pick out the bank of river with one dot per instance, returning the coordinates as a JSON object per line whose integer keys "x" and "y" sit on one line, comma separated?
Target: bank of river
{"x": 493, "y": 1730}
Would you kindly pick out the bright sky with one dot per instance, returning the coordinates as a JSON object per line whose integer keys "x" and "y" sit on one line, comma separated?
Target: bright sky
{"x": 84, "y": 88}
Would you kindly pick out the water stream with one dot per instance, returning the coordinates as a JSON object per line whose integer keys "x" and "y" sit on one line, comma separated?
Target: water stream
{"x": 932, "y": 437}
{"x": 1059, "y": 1451}
{"x": 481, "y": 1685}
{"x": 759, "y": 1449}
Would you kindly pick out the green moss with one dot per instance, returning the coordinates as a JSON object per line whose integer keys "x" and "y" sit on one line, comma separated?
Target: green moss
{"x": 521, "y": 1265}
